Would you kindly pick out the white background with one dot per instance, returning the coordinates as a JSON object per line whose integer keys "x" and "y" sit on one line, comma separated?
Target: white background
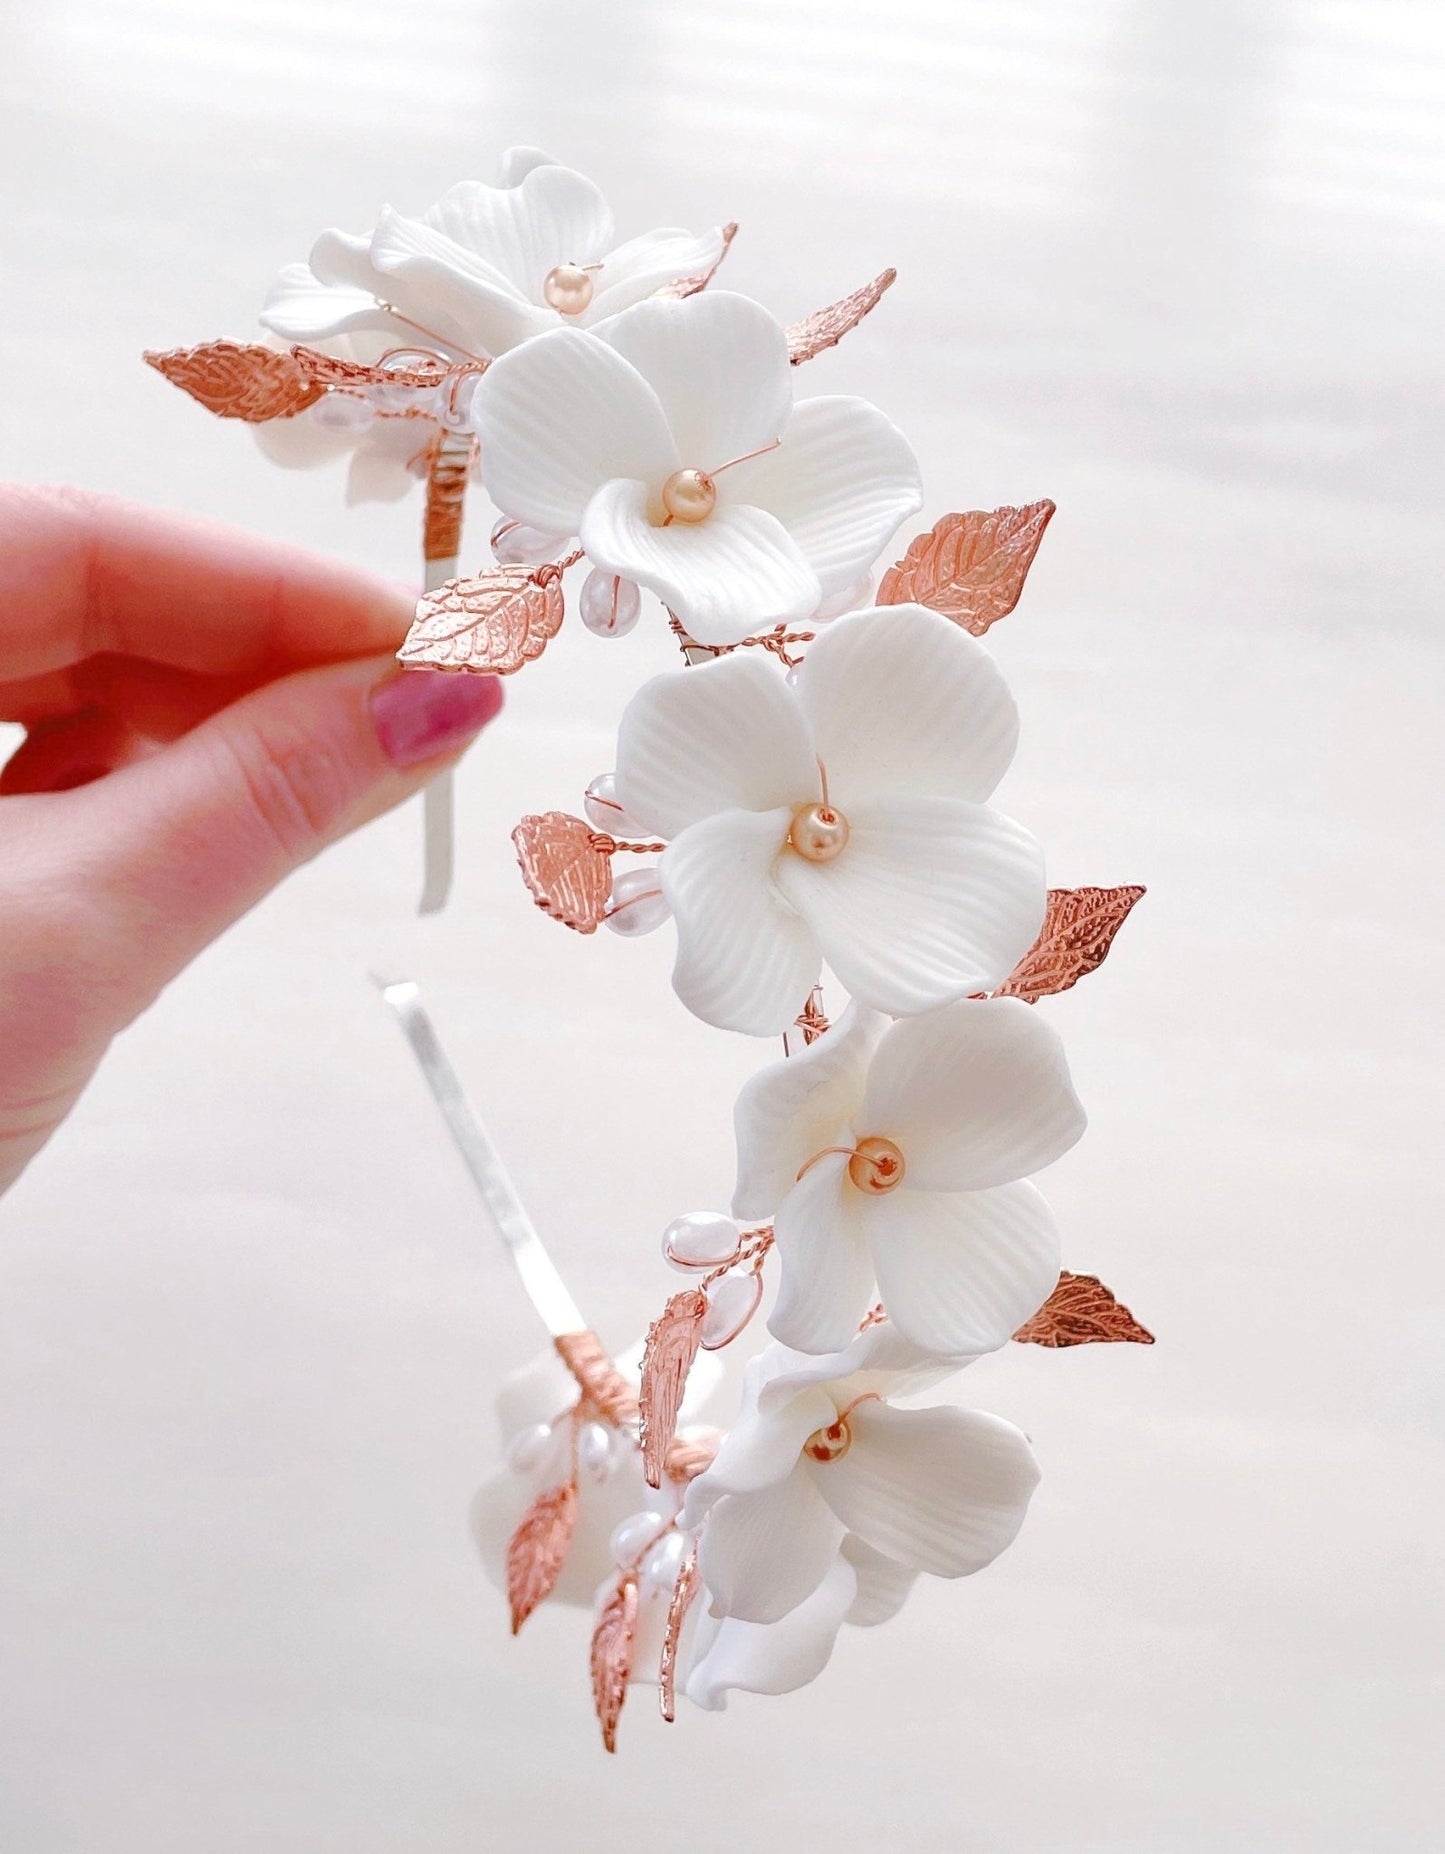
{"x": 1174, "y": 263}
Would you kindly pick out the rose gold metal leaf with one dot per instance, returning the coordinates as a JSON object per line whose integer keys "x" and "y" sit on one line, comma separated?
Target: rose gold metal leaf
{"x": 689, "y": 286}
{"x": 684, "y": 1591}
{"x": 1078, "y": 930}
{"x": 490, "y": 625}
{"x": 1082, "y": 1311}
{"x": 825, "y": 328}
{"x": 329, "y": 370}
{"x": 538, "y": 1548}
{"x": 237, "y": 379}
{"x": 569, "y": 875}
{"x": 612, "y": 1641}
{"x": 672, "y": 1343}
{"x": 598, "y": 1379}
{"x": 970, "y": 567}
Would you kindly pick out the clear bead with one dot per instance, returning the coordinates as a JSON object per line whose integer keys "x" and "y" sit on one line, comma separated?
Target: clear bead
{"x": 595, "y": 1455}
{"x": 600, "y": 803}
{"x": 637, "y": 904}
{"x": 731, "y": 1303}
{"x": 630, "y": 1539}
{"x": 699, "y": 1239}
{"x": 529, "y": 1448}
{"x": 343, "y": 412}
{"x": 609, "y": 606}
{"x": 515, "y": 543}
{"x": 662, "y": 1564}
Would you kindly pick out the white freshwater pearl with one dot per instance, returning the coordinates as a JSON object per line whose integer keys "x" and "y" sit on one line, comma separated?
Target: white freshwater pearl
{"x": 731, "y": 1303}
{"x": 529, "y": 1448}
{"x": 637, "y": 904}
{"x": 609, "y": 605}
{"x": 342, "y": 412}
{"x": 595, "y": 1456}
{"x": 600, "y": 803}
{"x": 699, "y": 1239}
{"x": 631, "y": 1537}
{"x": 662, "y": 1564}
{"x": 515, "y": 543}
{"x": 567, "y": 288}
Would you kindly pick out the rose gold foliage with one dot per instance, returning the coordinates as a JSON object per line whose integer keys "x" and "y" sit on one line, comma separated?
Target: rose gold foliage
{"x": 672, "y": 1343}
{"x": 1078, "y": 930}
{"x": 328, "y": 370}
{"x": 490, "y": 625}
{"x": 684, "y": 1592}
{"x": 602, "y": 1385}
{"x": 612, "y": 1657}
{"x": 825, "y": 328}
{"x": 237, "y": 379}
{"x": 689, "y": 286}
{"x": 449, "y": 464}
{"x": 1082, "y": 1311}
{"x": 538, "y": 1549}
{"x": 569, "y": 874}
{"x": 970, "y": 567}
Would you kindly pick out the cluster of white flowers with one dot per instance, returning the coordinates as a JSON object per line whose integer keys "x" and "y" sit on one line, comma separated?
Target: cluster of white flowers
{"x": 837, "y": 816}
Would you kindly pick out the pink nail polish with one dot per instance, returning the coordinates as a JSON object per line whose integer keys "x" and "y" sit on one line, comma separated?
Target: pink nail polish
{"x": 419, "y": 714}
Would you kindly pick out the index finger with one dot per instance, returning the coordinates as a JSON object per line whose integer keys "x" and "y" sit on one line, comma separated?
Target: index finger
{"x": 81, "y": 574}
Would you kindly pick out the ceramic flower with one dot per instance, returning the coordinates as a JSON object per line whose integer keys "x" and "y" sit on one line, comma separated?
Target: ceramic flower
{"x": 669, "y": 443}
{"x": 819, "y": 1454}
{"x": 484, "y": 268}
{"x": 842, "y": 819}
{"x": 385, "y": 433}
{"x": 898, "y": 1154}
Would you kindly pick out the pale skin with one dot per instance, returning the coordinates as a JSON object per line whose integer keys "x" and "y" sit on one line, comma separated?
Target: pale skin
{"x": 204, "y": 712}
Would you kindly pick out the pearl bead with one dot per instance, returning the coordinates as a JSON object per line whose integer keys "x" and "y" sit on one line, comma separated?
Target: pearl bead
{"x": 595, "y": 1455}
{"x": 632, "y": 1536}
{"x": 529, "y": 1448}
{"x": 567, "y": 288}
{"x": 637, "y": 904}
{"x": 609, "y": 605}
{"x": 662, "y": 1564}
{"x": 731, "y": 1303}
{"x": 699, "y": 1239}
{"x": 818, "y": 833}
{"x": 601, "y": 804}
{"x": 876, "y": 1166}
{"x": 342, "y": 412}
{"x": 830, "y": 1443}
{"x": 515, "y": 543}
{"x": 689, "y": 495}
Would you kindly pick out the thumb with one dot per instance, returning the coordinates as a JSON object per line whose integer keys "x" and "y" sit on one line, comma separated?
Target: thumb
{"x": 171, "y": 849}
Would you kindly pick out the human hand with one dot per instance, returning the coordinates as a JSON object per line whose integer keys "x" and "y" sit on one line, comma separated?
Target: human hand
{"x": 204, "y": 712}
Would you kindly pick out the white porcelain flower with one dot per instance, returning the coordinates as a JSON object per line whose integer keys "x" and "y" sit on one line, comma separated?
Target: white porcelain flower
{"x": 484, "y": 268}
{"x": 911, "y": 888}
{"x": 898, "y": 1154}
{"x": 630, "y": 438}
{"x": 385, "y": 432}
{"x": 819, "y": 1454}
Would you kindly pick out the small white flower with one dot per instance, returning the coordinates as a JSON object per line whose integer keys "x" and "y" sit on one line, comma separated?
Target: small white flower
{"x": 920, "y": 895}
{"x": 632, "y": 438}
{"x": 819, "y": 1454}
{"x": 898, "y": 1154}
{"x": 478, "y": 272}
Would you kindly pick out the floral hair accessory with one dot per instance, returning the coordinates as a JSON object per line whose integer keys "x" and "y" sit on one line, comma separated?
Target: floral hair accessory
{"x": 810, "y": 800}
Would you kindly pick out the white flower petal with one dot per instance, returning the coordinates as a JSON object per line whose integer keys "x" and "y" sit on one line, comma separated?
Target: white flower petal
{"x": 537, "y": 1392}
{"x": 760, "y": 1449}
{"x": 499, "y": 1504}
{"x": 826, "y": 1273}
{"x": 841, "y": 481}
{"x": 517, "y": 163}
{"x": 449, "y": 291}
{"x": 791, "y": 1109}
{"x": 343, "y": 259}
{"x": 976, "y": 1095}
{"x": 940, "y": 1490}
{"x": 883, "y": 1584}
{"x": 380, "y": 465}
{"x": 551, "y": 216}
{"x": 725, "y": 736}
{"x": 960, "y": 1271}
{"x": 778, "y": 1657}
{"x": 901, "y": 700}
{"x": 744, "y": 959}
{"x": 634, "y": 270}
{"x": 761, "y": 1554}
{"x": 559, "y": 416}
{"x": 879, "y": 1359}
{"x": 726, "y": 578}
{"x": 719, "y": 364}
{"x": 933, "y": 899}
{"x": 301, "y": 308}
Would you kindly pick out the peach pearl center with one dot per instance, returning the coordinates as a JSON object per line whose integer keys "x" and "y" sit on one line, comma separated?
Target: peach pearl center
{"x": 689, "y": 496}
{"x": 830, "y": 1443}
{"x": 567, "y": 288}
{"x": 876, "y": 1166}
{"x": 818, "y": 832}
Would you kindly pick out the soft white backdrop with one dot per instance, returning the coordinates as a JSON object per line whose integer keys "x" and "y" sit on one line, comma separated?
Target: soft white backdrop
{"x": 1176, "y": 264}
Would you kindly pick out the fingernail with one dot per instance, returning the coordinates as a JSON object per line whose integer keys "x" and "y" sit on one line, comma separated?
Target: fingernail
{"x": 419, "y": 714}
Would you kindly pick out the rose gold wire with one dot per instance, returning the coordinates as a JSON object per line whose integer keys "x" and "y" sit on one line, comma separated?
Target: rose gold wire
{"x": 747, "y": 457}
{"x": 430, "y": 333}
{"x": 853, "y": 1152}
